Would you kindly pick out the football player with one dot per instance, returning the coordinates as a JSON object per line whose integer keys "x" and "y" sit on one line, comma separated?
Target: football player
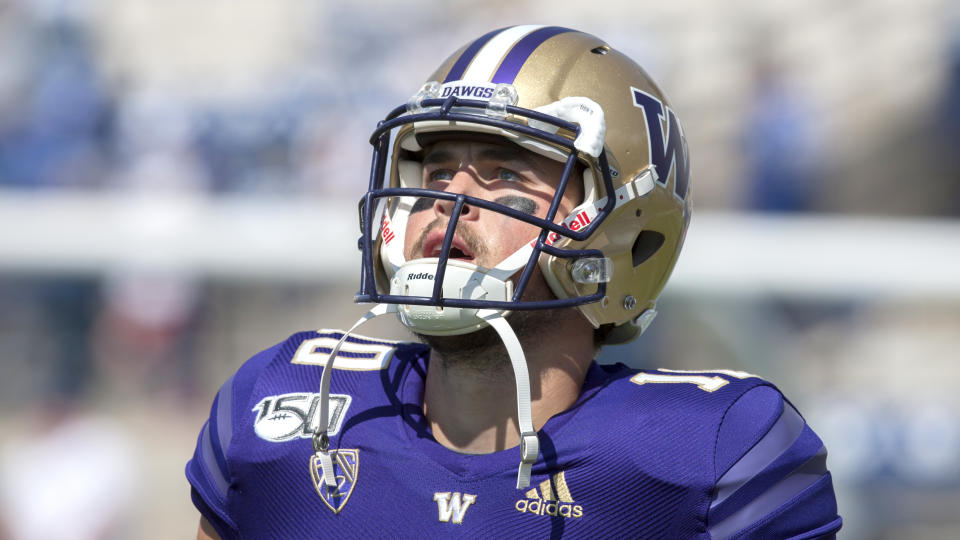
{"x": 525, "y": 207}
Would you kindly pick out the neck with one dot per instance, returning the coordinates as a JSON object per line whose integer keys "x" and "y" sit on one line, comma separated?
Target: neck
{"x": 471, "y": 403}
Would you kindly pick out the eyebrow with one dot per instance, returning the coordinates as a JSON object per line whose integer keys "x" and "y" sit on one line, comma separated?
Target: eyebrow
{"x": 496, "y": 153}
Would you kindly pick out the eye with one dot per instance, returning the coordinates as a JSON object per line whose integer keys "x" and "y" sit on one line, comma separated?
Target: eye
{"x": 440, "y": 174}
{"x": 435, "y": 176}
{"x": 509, "y": 176}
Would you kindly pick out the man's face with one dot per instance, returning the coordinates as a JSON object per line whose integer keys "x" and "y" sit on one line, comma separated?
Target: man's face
{"x": 500, "y": 172}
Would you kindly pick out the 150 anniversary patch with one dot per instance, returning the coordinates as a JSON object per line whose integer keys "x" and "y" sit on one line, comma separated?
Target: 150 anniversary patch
{"x": 288, "y": 416}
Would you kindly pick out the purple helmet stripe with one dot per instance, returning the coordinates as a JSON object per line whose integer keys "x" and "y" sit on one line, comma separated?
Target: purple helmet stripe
{"x": 515, "y": 59}
{"x": 456, "y": 72}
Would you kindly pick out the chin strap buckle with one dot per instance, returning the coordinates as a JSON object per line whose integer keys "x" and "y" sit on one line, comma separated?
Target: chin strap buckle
{"x": 529, "y": 452}
{"x": 321, "y": 448}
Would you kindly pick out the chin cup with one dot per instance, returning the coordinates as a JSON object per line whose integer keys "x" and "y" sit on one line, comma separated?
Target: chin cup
{"x": 462, "y": 281}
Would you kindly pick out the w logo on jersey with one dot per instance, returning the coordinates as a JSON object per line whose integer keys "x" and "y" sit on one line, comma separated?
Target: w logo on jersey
{"x": 452, "y": 507}
{"x": 345, "y": 466}
{"x": 668, "y": 146}
{"x": 551, "y": 498}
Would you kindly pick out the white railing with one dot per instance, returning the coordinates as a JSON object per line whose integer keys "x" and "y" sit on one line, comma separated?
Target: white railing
{"x": 283, "y": 240}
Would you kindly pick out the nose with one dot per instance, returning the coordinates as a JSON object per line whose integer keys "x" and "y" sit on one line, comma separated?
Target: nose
{"x": 463, "y": 182}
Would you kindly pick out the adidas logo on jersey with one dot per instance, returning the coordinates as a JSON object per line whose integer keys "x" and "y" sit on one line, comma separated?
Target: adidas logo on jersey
{"x": 551, "y": 498}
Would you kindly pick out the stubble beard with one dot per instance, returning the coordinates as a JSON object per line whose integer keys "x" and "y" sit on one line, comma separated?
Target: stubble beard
{"x": 482, "y": 352}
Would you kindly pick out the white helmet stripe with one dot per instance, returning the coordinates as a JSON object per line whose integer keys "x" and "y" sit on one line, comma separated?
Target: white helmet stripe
{"x": 485, "y": 64}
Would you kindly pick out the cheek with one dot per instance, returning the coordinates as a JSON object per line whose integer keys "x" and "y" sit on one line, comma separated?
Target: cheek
{"x": 509, "y": 234}
{"x": 415, "y": 224}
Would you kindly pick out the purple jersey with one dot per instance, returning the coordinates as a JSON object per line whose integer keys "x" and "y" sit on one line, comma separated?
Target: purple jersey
{"x": 651, "y": 454}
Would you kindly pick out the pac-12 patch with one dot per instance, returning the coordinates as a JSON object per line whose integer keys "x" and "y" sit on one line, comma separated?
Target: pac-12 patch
{"x": 345, "y": 466}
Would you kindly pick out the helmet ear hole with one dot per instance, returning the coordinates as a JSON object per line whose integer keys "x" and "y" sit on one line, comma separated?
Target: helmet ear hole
{"x": 646, "y": 244}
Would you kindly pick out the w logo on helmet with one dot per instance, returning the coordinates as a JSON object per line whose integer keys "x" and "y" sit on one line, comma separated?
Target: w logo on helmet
{"x": 668, "y": 146}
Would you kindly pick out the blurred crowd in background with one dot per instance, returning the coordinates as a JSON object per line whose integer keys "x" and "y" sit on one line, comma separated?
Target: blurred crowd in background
{"x": 790, "y": 107}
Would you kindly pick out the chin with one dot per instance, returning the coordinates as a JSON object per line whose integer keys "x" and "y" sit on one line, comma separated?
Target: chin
{"x": 467, "y": 349}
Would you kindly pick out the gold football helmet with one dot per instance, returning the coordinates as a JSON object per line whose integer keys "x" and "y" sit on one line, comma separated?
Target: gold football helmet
{"x": 566, "y": 95}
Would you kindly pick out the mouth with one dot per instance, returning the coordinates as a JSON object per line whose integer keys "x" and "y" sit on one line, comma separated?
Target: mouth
{"x": 433, "y": 245}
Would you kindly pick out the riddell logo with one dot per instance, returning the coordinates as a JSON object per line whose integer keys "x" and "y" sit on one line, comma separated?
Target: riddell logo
{"x": 388, "y": 234}
{"x": 574, "y": 223}
{"x": 551, "y": 498}
{"x": 421, "y": 275}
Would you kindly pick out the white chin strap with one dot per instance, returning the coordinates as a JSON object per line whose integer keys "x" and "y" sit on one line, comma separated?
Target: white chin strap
{"x": 321, "y": 439}
{"x": 529, "y": 444}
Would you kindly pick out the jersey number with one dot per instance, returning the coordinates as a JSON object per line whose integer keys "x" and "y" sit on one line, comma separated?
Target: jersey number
{"x": 706, "y": 383}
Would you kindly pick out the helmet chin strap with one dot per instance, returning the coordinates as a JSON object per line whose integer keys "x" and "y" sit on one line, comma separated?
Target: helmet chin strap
{"x": 529, "y": 443}
{"x": 321, "y": 439}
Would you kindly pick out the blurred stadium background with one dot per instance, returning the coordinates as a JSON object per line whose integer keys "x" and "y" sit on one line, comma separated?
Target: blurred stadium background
{"x": 178, "y": 183}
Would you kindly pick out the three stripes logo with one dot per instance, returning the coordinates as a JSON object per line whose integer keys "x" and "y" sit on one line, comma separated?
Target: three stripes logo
{"x": 551, "y": 498}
